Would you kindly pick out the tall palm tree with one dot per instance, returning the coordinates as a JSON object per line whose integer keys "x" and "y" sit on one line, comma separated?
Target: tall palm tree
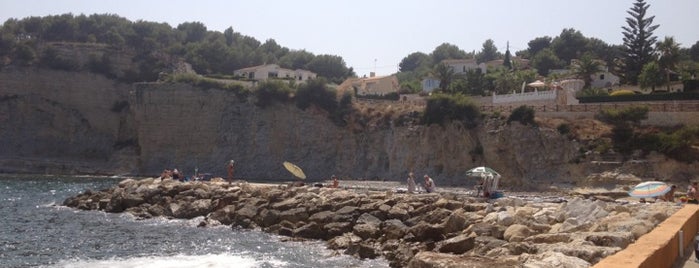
{"x": 445, "y": 74}
{"x": 585, "y": 68}
{"x": 668, "y": 56}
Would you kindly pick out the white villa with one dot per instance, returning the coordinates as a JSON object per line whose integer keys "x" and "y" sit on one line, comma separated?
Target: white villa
{"x": 602, "y": 79}
{"x": 267, "y": 71}
{"x": 464, "y": 65}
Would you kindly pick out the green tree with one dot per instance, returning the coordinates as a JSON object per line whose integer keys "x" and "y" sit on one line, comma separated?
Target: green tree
{"x": 475, "y": 82}
{"x": 546, "y": 60}
{"x": 651, "y": 76}
{"x": 447, "y": 51}
{"x": 488, "y": 52}
{"x": 331, "y": 67}
{"x": 638, "y": 40}
{"x": 296, "y": 59}
{"x": 445, "y": 74}
{"x": 569, "y": 45}
{"x": 668, "y": 57}
{"x": 694, "y": 52}
{"x": 507, "y": 61}
{"x": 414, "y": 61}
{"x": 193, "y": 31}
{"x": 538, "y": 44}
{"x": 585, "y": 68}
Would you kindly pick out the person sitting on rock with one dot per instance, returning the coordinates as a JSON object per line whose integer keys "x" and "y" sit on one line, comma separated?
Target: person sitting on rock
{"x": 166, "y": 174}
{"x": 176, "y": 175}
{"x": 670, "y": 196}
{"x": 429, "y": 184}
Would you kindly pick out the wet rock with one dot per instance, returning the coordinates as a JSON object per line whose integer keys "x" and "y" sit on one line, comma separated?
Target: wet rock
{"x": 224, "y": 215}
{"x": 294, "y": 214}
{"x": 311, "y": 230}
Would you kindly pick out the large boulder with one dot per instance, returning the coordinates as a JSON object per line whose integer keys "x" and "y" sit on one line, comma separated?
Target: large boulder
{"x": 428, "y": 259}
{"x": 427, "y": 232}
{"x": 611, "y": 239}
{"x": 551, "y": 259}
{"x": 310, "y": 230}
{"x": 367, "y": 231}
{"x": 224, "y": 215}
{"x": 294, "y": 214}
{"x": 394, "y": 229}
{"x": 458, "y": 244}
{"x": 517, "y": 233}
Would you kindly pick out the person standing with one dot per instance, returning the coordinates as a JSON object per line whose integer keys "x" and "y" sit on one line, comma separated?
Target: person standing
{"x": 411, "y": 183}
{"x": 336, "y": 183}
{"x": 231, "y": 169}
{"x": 429, "y": 184}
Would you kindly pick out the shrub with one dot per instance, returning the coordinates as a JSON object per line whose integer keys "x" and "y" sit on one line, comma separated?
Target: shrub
{"x": 564, "y": 129}
{"x": 622, "y": 92}
{"x": 317, "y": 93}
{"x": 616, "y": 117}
{"x": 52, "y": 59}
{"x": 522, "y": 114}
{"x": 272, "y": 91}
{"x": 442, "y": 108}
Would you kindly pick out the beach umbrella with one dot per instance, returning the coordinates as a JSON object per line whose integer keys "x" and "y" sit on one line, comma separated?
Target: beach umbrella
{"x": 294, "y": 169}
{"x": 649, "y": 189}
{"x": 537, "y": 83}
{"x": 479, "y": 171}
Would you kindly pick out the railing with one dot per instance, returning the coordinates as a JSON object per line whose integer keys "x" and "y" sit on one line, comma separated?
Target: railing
{"x": 593, "y": 108}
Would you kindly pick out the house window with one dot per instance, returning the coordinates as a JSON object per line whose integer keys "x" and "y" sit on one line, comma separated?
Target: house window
{"x": 272, "y": 74}
{"x": 251, "y": 75}
{"x": 300, "y": 77}
{"x": 464, "y": 69}
{"x": 601, "y": 77}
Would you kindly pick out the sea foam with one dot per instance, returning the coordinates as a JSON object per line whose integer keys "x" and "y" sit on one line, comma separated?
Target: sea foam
{"x": 177, "y": 261}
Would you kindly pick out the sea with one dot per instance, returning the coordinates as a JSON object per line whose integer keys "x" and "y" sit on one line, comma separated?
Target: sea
{"x": 36, "y": 230}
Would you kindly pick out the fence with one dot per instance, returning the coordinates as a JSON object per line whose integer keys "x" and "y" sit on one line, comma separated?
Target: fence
{"x": 652, "y": 107}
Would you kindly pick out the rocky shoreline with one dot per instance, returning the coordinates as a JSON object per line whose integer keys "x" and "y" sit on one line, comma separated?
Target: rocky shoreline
{"x": 410, "y": 230}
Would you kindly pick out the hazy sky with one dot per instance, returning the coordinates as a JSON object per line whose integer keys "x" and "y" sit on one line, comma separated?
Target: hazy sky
{"x": 376, "y": 35}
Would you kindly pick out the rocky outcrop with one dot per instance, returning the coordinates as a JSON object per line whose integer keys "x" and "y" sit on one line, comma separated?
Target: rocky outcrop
{"x": 413, "y": 230}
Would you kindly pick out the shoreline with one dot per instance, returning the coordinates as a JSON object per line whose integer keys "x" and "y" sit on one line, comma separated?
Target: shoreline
{"x": 408, "y": 230}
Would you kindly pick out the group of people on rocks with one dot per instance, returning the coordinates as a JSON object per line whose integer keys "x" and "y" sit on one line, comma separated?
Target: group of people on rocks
{"x": 428, "y": 185}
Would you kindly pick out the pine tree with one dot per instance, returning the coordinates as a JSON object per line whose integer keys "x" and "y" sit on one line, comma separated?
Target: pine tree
{"x": 638, "y": 40}
{"x": 508, "y": 61}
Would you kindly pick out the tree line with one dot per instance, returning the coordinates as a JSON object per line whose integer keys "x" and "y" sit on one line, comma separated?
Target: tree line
{"x": 209, "y": 52}
{"x": 641, "y": 59}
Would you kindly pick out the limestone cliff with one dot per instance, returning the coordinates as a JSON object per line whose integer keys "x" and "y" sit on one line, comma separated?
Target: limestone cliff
{"x": 62, "y": 122}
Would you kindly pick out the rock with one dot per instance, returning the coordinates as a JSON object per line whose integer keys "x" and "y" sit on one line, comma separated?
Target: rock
{"x": 457, "y": 245}
{"x": 197, "y": 208}
{"x": 424, "y": 231}
{"x": 343, "y": 241}
{"x": 436, "y": 216}
{"x": 268, "y": 217}
{"x": 484, "y": 244}
{"x": 224, "y": 215}
{"x": 448, "y": 204}
{"x": 589, "y": 253}
{"x": 310, "y": 230}
{"x": 366, "y": 230}
{"x": 337, "y": 228}
{"x": 518, "y": 248}
{"x": 366, "y": 251}
{"x": 294, "y": 214}
{"x": 611, "y": 239}
{"x": 248, "y": 211}
{"x": 367, "y": 218}
{"x": 347, "y": 210}
{"x": 505, "y": 218}
{"x": 394, "y": 229}
{"x": 397, "y": 213}
{"x": 551, "y": 259}
{"x": 127, "y": 182}
{"x": 517, "y": 233}
{"x": 549, "y": 238}
{"x": 427, "y": 259}
{"x": 485, "y": 229}
{"x": 456, "y": 222}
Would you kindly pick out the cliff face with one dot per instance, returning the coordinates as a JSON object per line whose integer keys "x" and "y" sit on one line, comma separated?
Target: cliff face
{"x": 60, "y": 122}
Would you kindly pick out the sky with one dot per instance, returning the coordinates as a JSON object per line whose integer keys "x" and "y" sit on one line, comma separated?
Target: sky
{"x": 375, "y": 35}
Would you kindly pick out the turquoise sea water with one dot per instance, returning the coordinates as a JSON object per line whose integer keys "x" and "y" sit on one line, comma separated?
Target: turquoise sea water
{"x": 37, "y": 231}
